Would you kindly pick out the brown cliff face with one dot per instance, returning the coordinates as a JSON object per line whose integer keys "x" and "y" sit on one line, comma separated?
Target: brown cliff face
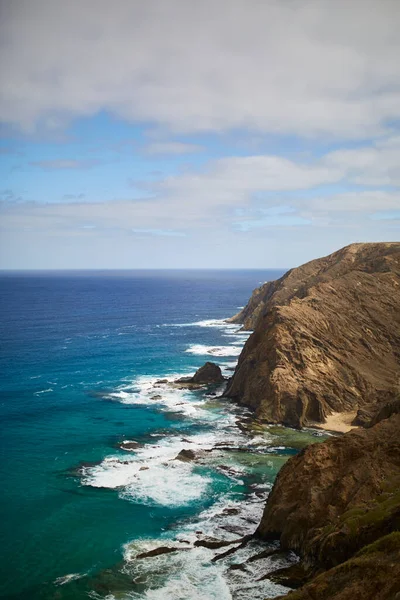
{"x": 373, "y": 574}
{"x": 337, "y": 504}
{"x": 334, "y": 498}
{"x": 326, "y": 337}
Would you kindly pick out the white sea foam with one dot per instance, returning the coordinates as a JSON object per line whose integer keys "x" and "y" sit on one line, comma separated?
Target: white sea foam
{"x": 168, "y": 485}
{"x": 203, "y": 350}
{"x": 220, "y": 323}
{"x": 189, "y": 574}
{"x": 213, "y": 323}
{"x": 205, "y": 323}
{"x": 148, "y": 391}
{"x": 67, "y": 578}
{"x": 228, "y": 364}
{"x": 151, "y": 476}
{"x": 241, "y": 336}
{"x": 43, "y": 391}
{"x": 149, "y": 482}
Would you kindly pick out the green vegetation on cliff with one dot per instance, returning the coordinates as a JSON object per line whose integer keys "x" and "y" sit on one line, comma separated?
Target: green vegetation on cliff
{"x": 372, "y": 574}
{"x": 337, "y": 504}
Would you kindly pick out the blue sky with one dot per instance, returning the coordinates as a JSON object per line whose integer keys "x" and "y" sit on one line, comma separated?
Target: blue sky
{"x": 174, "y": 134}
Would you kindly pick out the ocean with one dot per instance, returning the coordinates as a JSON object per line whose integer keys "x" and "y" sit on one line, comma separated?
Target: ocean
{"x": 86, "y": 361}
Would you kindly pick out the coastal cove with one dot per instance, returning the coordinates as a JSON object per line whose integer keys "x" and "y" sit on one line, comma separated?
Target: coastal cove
{"x": 82, "y": 354}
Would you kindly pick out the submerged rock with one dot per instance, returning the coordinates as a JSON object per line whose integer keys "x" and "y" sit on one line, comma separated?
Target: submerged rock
{"x": 186, "y": 455}
{"x": 129, "y": 445}
{"x": 158, "y": 551}
{"x": 214, "y": 544}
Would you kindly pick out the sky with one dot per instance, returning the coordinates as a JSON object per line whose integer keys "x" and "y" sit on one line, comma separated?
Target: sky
{"x": 186, "y": 134}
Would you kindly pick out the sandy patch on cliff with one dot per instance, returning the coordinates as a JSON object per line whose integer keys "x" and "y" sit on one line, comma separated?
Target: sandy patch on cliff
{"x": 338, "y": 421}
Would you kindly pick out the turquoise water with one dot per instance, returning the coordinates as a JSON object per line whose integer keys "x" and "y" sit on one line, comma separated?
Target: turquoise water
{"x": 80, "y": 357}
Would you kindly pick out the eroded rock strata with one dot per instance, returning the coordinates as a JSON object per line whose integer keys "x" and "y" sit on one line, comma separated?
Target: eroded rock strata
{"x": 326, "y": 338}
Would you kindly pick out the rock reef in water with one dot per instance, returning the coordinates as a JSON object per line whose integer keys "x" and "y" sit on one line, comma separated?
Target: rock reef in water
{"x": 186, "y": 455}
{"x": 326, "y": 338}
{"x": 208, "y": 374}
{"x": 337, "y": 504}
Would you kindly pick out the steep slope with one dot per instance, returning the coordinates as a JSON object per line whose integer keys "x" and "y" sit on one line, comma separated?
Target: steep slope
{"x": 373, "y": 574}
{"x": 336, "y": 497}
{"x": 326, "y": 337}
{"x": 337, "y": 504}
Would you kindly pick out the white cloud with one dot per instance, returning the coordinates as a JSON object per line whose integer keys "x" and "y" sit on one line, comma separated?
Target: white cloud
{"x": 232, "y": 181}
{"x": 300, "y": 66}
{"x": 172, "y": 148}
{"x": 361, "y": 202}
{"x": 377, "y": 164}
{"x": 228, "y": 191}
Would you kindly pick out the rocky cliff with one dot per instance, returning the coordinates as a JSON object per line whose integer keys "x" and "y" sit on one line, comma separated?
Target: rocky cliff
{"x": 326, "y": 337}
{"x": 337, "y": 504}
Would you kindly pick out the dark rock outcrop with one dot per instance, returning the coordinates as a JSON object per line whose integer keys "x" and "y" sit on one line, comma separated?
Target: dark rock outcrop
{"x": 384, "y": 412}
{"x": 326, "y": 337}
{"x": 186, "y": 455}
{"x": 157, "y": 552}
{"x": 208, "y": 374}
{"x": 129, "y": 445}
{"x": 364, "y": 415}
{"x": 214, "y": 544}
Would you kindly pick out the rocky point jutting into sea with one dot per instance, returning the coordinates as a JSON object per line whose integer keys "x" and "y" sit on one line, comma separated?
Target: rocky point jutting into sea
{"x": 327, "y": 340}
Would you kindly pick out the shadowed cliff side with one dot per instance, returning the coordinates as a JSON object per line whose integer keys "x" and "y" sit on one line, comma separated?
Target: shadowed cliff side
{"x": 337, "y": 504}
{"x": 372, "y": 574}
{"x": 326, "y": 337}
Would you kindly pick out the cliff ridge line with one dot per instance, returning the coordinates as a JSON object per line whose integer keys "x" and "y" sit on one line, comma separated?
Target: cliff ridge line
{"x": 326, "y": 337}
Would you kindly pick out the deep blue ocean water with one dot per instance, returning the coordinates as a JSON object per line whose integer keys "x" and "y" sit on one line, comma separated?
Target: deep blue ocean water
{"x": 80, "y": 353}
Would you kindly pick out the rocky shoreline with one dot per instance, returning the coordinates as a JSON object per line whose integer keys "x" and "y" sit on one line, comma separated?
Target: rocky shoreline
{"x": 325, "y": 351}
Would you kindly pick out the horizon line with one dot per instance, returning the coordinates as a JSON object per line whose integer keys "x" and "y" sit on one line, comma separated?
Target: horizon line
{"x": 83, "y": 270}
